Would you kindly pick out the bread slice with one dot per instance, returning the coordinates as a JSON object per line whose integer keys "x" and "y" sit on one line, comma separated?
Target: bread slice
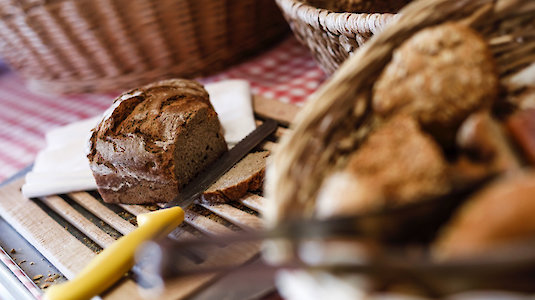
{"x": 153, "y": 141}
{"x": 246, "y": 175}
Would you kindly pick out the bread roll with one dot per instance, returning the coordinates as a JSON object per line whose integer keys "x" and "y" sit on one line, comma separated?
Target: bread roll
{"x": 396, "y": 165}
{"x": 500, "y": 213}
{"x": 440, "y": 76}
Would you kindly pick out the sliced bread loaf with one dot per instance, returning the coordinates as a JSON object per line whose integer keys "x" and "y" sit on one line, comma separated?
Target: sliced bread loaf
{"x": 153, "y": 141}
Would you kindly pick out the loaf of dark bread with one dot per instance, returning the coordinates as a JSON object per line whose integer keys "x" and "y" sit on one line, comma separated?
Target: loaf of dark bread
{"x": 246, "y": 175}
{"x": 153, "y": 141}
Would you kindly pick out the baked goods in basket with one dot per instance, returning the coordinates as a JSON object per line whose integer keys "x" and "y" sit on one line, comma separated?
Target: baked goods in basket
{"x": 425, "y": 118}
{"x": 153, "y": 140}
{"x": 396, "y": 165}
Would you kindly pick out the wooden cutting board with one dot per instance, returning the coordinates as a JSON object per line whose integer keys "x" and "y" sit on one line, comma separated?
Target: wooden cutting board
{"x": 69, "y": 230}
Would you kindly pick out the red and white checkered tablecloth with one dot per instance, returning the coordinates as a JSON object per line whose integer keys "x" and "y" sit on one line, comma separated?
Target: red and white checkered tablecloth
{"x": 286, "y": 72}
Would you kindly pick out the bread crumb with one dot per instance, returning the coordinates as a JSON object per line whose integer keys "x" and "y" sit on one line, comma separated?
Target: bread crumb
{"x": 13, "y": 251}
{"x": 46, "y": 285}
{"x": 52, "y": 278}
{"x": 37, "y": 277}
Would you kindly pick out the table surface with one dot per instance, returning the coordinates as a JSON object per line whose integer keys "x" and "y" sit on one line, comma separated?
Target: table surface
{"x": 286, "y": 73}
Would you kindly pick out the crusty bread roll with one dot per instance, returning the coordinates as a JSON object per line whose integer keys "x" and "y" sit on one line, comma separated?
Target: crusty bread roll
{"x": 153, "y": 140}
{"x": 440, "y": 76}
{"x": 396, "y": 165}
{"x": 500, "y": 213}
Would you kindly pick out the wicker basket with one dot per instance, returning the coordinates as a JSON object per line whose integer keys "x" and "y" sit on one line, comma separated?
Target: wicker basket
{"x": 330, "y": 126}
{"x": 333, "y": 30}
{"x": 326, "y": 125}
{"x": 103, "y": 45}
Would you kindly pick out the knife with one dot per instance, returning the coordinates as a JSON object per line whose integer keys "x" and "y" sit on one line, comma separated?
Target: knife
{"x": 117, "y": 259}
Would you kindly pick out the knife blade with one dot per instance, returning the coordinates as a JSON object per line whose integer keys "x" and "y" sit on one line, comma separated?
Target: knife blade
{"x": 117, "y": 259}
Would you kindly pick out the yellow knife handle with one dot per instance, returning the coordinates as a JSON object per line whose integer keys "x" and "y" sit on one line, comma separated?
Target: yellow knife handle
{"x": 117, "y": 259}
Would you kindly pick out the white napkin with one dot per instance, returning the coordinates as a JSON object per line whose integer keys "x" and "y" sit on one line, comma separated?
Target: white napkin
{"x": 62, "y": 167}
{"x": 236, "y": 115}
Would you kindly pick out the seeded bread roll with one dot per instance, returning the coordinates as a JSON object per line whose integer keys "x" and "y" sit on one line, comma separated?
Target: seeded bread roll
{"x": 246, "y": 175}
{"x": 440, "y": 76}
{"x": 153, "y": 141}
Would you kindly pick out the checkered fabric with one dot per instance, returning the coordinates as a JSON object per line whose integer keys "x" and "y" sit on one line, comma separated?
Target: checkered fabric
{"x": 286, "y": 72}
{"x": 17, "y": 271}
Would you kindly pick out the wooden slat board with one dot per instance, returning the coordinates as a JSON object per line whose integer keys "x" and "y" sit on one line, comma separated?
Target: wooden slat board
{"x": 101, "y": 211}
{"x": 74, "y": 217}
{"x": 254, "y": 202}
{"x": 236, "y": 216}
{"x": 269, "y": 108}
{"x": 45, "y": 234}
{"x": 93, "y": 225}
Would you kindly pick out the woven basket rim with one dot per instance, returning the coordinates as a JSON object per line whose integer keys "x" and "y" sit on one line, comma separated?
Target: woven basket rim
{"x": 303, "y": 5}
{"x": 313, "y": 16}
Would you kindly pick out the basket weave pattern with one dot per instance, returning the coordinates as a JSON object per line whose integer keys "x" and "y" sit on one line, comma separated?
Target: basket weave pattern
{"x": 102, "y": 45}
{"x": 332, "y": 36}
{"x": 337, "y": 117}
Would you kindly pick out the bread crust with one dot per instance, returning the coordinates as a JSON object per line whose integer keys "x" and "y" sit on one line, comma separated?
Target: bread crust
{"x": 439, "y": 76}
{"x": 153, "y": 140}
{"x": 396, "y": 165}
{"x": 500, "y": 213}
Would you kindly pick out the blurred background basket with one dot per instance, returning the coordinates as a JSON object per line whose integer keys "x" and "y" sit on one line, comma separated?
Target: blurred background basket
{"x": 332, "y": 30}
{"x": 103, "y": 45}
